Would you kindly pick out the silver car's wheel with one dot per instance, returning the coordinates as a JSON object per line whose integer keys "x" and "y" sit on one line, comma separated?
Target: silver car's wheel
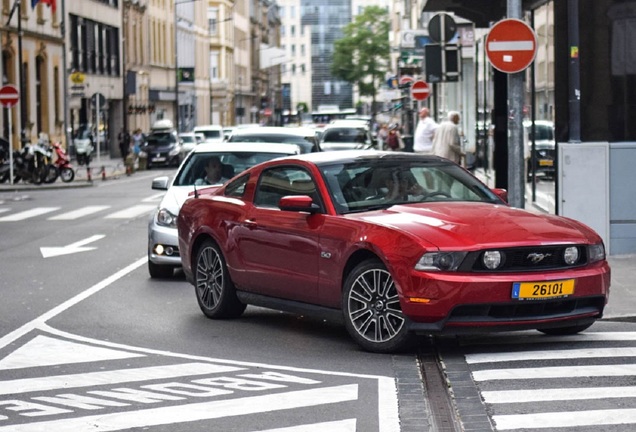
{"x": 214, "y": 289}
{"x": 371, "y": 308}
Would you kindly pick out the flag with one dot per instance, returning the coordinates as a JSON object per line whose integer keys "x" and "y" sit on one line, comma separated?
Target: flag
{"x": 51, "y": 3}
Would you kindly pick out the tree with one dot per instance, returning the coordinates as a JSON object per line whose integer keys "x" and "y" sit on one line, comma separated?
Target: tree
{"x": 361, "y": 56}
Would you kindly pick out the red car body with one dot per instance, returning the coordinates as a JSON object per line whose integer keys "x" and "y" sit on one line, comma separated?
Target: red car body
{"x": 299, "y": 259}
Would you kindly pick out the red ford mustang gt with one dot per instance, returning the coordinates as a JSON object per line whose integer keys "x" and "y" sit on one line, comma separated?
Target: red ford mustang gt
{"x": 394, "y": 244}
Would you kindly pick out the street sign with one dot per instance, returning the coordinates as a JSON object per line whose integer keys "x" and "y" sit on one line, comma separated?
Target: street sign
{"x": 442, "y": 27}
{"x": 98, "y": 97}
{"x": 420, "y": 90}
{"x": 9, "y": 95}
{"x": 511, "y": 45}
{"x": 267, "y": 112}
{"x": 405, "y": 79}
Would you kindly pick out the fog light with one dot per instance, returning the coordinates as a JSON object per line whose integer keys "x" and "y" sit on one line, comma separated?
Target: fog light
{"x": 492, "y": 259}
{"x": 169, "y": 251}
{"x": 159, "y": 249}
{"x": 571, "y": 255}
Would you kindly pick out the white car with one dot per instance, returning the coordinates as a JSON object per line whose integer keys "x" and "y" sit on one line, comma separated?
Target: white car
{"x": 346, "y": 135}
{"x": 189, "y": 140}
{"x": 163, "y": 249}
{"x": 211, "y": 133}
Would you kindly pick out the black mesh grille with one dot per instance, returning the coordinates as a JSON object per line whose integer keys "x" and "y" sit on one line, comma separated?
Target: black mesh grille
{"x": 526, "y": 259}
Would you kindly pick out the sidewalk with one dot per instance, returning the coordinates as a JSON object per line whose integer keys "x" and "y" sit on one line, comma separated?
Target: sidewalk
{"x": 106, "y": 168}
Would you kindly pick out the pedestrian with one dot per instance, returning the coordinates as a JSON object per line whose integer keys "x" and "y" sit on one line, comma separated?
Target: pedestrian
{"x": 393, "y": 140}
{"x": 383, "y": 134}
{"x": 424, "y": 133}
{"x": 124, "y": 143}
{"x": 447, "y": 140}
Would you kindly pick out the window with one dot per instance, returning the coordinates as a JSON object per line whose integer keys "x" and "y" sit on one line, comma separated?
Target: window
{"x": 213, "y": 19}
{"x": 278, "y": 182}
{"x": 237, "y": 187}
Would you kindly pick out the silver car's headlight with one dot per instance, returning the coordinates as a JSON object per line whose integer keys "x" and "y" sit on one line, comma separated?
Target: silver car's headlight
{"x": 440, "y": 261}
{"x": 596, "y": 252}
{"x": 167, "y": 219}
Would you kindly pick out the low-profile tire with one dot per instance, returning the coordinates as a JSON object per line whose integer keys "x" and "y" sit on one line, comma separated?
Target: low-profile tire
{"x": 565, "y": 331}
{"x": 214, "y": 289}
{"x": 160, "y": 271}
{"x": 371, "y": 308}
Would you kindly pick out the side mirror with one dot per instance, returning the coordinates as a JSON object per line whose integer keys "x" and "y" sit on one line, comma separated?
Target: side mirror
{"x": 501, "y": 193}
{"x": 298, "y": 203}
{"x": 161, "y": 183}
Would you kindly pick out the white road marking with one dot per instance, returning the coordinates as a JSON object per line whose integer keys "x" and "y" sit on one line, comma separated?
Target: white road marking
{"x": 25, "y": 385}
{"x": 3, "y": 210}
{"x": 565, "y": 419}
{"x": 550, "y": 355}
{"x": 154, "y": 198}
{"x": 527, "y": 45}
{"x": 558, "y": 394}
{"x": 540, "y": 338}
{"x": 555, "y": 372}
{"x": 195, "y": 411}
{"x": 72, "y": 248}
{"x": 48, "y": 351}
{"x": 131, "y": 212}
{"x": 348, "y": 425}
{"x": 76, "y": 214}
{"x": 28, "y": 214}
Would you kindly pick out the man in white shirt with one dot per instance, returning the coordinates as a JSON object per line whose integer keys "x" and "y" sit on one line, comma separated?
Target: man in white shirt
{"x": 424, "y": 133}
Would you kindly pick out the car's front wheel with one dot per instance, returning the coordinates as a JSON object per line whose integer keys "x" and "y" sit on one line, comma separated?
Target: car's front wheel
{"x": 215, "y": 290}
{"x": 371, "y": 307}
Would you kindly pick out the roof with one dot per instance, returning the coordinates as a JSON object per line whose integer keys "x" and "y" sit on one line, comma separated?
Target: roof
{"x": 348, "y": 156}
{"x": 274, "y": 130}
{"x": 246, "y": 147}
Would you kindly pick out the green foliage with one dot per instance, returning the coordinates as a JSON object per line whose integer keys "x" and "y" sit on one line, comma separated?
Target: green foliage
{"x": 361, "y": 56}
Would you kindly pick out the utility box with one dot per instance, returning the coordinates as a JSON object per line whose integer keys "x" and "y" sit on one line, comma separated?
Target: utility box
{"x": 622, "y": 197}
{"x": 584, "y": 186}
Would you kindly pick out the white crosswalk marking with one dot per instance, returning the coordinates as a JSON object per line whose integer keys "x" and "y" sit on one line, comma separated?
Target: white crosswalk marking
{"x": 517, "y": 380}
{"x": 81, "y": 212}
{"x": 4, "y": 210}
{"x": 38, "y": 211}
{"x": 132, "y": 212}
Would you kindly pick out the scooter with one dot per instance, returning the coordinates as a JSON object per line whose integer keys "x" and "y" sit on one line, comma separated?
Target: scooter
{"x": 63, "y": 163}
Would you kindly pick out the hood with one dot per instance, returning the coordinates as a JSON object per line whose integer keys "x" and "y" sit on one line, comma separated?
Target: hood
{"x": 479, "y": 225}
{"x": 175, "y": 197}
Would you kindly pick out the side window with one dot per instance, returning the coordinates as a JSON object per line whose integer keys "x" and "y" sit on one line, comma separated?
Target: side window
{"x": 237, "y": 187}
{"x": 278, "y": 182}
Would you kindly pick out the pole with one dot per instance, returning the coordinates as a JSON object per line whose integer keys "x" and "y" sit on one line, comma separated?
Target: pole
{"x": 176, "y": 69}
{"x": 97, "y": 104}
{"x": 515, "y": 126}
{"x": 10, "y": 147}
{"x": 65, "y": 75}
{"x": 574, "y": 72}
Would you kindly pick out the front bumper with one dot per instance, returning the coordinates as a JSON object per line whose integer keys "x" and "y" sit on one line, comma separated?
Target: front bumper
{"x": 167, "y": 238}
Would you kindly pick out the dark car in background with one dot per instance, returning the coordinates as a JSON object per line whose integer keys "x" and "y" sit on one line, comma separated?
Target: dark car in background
{"x": 162, "y": 146}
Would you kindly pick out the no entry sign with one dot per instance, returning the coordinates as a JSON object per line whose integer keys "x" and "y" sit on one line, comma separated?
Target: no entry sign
{"x": 9, "y": 95}
{"x": 420, "y": 90}
{"x": 511, "y": 45}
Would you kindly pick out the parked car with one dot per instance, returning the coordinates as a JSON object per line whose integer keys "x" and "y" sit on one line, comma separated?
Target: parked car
{"x": 545, "y": 152}
{"x": 305, "y": 138}
{"x": 163, "y": 252}
{"x": 211, "y": 133}
{"x": 346, "y": 135}
{"x": 162, "y": 145}
{"x": 392, "y": 243}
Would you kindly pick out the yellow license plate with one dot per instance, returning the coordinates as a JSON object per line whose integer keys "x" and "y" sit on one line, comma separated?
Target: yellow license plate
{"x": 546, "y": 162}
{"x": 542, "y": 290}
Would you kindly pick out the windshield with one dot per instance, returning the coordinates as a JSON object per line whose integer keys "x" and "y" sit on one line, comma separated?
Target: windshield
{"x": 160, "y": 138}
{"x": 376, "y": 184}
{"x": 344, "y": 135}
{"x": 210, "y": 133}
{"x": 233, "y": 163}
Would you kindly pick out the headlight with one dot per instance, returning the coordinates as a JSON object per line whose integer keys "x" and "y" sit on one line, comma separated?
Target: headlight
{"x": 596, "y": 252}
{"x": 571, "y": 255}
{"x": 175, "y": 151}
{"x": 492, "y": 259}
{"x": 440, "y": 261}
{"x": 167, "y": 219}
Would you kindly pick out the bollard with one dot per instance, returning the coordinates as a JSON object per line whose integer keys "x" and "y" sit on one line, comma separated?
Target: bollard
{"x": 103, "y": 173}
{"x": 88, "y": 174}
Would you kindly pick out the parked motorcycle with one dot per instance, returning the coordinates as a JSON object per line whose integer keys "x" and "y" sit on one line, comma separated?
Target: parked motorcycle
{"x": 32, "y": 164}
{"x": 63, "y": 163}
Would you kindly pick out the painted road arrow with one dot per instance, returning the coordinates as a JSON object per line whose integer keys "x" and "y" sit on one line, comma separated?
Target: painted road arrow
{"x": 48, "y": 252}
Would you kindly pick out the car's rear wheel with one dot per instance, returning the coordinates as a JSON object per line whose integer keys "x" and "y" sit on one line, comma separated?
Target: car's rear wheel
{"x": 215, "y": 290}
{"x": 160, "y": 271}
{"x": 371, "y": 307}
{"x": 564, "y": 331}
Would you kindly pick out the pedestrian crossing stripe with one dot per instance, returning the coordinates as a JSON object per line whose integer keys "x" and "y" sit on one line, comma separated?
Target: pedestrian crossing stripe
{"x": 38, "y": 211}
{"x": 81, "y": 212}
{"x": 133, "y": 388}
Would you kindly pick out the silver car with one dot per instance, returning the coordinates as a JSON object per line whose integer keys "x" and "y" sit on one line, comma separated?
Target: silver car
{"x": 163, "y": 250}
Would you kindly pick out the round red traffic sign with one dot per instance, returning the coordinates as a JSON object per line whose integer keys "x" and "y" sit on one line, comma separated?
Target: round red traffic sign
{"x": 9, "y": 95}
{"x": 511, "y": 45}
{"x": 267, "y": 112}
{"x": 405, "y": 79}
{"x": 420, "y": 90}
